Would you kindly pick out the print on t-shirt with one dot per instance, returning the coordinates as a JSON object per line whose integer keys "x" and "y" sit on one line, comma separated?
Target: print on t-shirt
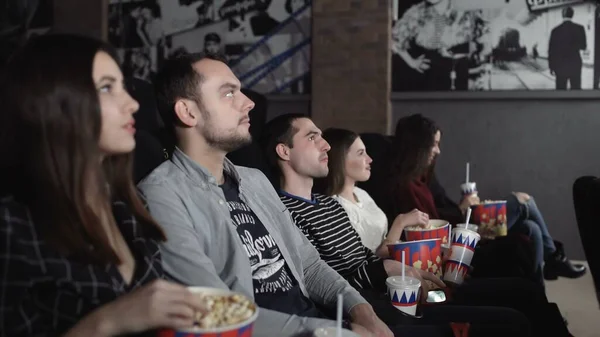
{"x": 267, "y": 264}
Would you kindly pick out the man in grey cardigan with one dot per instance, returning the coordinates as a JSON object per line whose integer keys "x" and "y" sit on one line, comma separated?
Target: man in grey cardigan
{"x": 225, "y": 225}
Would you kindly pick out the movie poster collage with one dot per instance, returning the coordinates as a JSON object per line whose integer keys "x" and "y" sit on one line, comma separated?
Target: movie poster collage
{"x": 266, "y": 42}
{"x": 485, "y": 45}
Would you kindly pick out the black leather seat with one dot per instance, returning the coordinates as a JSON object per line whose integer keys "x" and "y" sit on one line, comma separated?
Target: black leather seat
{"x": 378, "y": 147}
{"x": 586, "y": 199}
{"x": 252, "y": 155}
{"x": 149, "y": 151}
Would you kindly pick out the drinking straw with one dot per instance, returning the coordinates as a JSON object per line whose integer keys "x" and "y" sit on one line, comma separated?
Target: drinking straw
{"x": 468, "y": 217}
{"x": 467, "y": 175}
{"x": 340, "y": 301}
{"x": 403, "y": 262}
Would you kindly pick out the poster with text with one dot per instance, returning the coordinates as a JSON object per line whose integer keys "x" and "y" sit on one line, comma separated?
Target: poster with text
{"x": 482, "y": 45}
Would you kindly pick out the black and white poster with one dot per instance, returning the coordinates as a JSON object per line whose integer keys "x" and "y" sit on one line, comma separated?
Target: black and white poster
{"x": 134, "y": 23}
{"x": 483, "y": 45}
{"x": 266, "y": 42}
{"x": 141, "y": 62}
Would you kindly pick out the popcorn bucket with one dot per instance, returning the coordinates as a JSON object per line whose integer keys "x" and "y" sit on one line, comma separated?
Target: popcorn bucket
{"x": 241, "y": 328}
{"x": 491, "y": 218}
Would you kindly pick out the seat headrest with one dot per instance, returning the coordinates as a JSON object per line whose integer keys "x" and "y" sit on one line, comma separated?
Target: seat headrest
{"x": 148, "y": 154}
{"x": 147, "y": 117}
{"x": 258, "y": 115}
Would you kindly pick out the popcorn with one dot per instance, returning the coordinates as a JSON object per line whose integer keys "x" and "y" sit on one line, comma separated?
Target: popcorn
{"x": 223, "y": 310}
{"x": 417, "y": 264}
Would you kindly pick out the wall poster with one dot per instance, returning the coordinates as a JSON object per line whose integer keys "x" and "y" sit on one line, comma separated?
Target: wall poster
{"x": 485, "y": 45}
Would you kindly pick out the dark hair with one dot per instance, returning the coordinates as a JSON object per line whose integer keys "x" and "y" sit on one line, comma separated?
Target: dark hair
{"x": 178, "y": 79}
{"x": 214, "y": 37}
{"x": 340, "y": 141}
{"x": 279, "y": 130}
{"x": 568, "y": 12}
{"x": 413, "y": 141}
{"x": 49, "y": 133}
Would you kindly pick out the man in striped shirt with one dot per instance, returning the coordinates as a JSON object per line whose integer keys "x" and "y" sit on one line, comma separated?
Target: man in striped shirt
{"x": 298, "y": 154}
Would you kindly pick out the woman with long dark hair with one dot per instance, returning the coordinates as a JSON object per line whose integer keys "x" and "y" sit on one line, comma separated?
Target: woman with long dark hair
{"x": 416, "y": 146}
{"x": 79, "y": 253}
{"x": 413, "y": 184}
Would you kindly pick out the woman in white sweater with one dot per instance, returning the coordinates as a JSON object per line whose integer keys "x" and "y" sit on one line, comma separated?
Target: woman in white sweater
{"x": 349, "y": 163}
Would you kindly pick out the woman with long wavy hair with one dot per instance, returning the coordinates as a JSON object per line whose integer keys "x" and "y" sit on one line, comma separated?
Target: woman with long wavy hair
{"x": 79, "y": 254}
{"x": 415, "y": 149}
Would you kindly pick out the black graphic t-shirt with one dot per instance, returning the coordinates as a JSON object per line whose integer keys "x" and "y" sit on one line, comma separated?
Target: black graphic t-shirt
{"x": 274, "y": 286}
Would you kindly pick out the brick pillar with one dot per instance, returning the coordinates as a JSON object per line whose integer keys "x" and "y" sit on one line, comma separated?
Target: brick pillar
{"x": 85, "y": 17}
{"x": 351, "y": 64}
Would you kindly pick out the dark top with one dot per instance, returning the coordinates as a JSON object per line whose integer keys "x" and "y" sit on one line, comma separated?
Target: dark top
{"x": 428, "y": 197}
{"x": 274, "y": 286}
{"x": 447, "y": 209}
{"x": 44, "y": 293}
{"x": 566, "y": 41}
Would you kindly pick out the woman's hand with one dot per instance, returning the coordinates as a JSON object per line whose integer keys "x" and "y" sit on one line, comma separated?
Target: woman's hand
{"x": 413, "y": 218}
{"x": 160, "y": 304}
{"x": 469, "y": 201}
{"x": 394, "y": 268}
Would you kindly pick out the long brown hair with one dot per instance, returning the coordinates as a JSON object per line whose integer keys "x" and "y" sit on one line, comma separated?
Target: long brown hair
{"x": 413, "y": 141}
{"x": 340, "y": 141}
{"x": 49, "y": 132}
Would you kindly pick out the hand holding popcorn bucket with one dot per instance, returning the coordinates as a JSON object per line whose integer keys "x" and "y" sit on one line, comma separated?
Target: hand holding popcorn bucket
{"x": 228, "y": 314}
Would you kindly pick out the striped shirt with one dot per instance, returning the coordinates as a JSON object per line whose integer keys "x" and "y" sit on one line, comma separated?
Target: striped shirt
{"x": 327, "y": 226}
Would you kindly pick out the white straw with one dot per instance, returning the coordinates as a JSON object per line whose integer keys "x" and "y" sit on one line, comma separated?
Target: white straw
{"x": 467, "y": 181}
{"x": 340, "y": 301}
{"x": 403, "y": 262}
{"x": 468, "y": 217}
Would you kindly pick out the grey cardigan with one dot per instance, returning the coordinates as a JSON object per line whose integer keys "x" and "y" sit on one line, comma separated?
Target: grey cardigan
{"x": 204, "y": 249}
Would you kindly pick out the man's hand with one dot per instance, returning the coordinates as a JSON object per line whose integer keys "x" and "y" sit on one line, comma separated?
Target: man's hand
{"x": 425, "y": 276}
{"x": 360, "y": 330}
{"x": 394, "y": 268}
{"x": 366, "y": 319}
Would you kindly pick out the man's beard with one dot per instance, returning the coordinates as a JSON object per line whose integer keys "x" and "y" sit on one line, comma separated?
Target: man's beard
{"x": 226, "y": 143}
